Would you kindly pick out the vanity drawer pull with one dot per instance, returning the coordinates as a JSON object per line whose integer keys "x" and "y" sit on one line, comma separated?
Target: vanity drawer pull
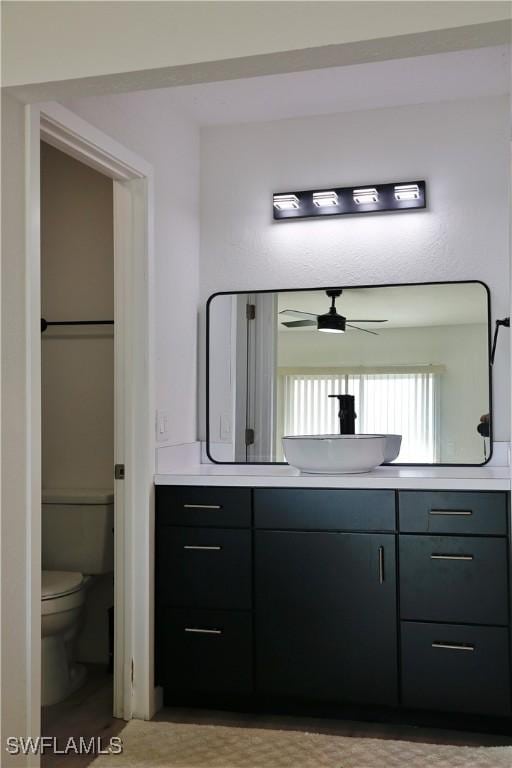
{"x": 452, "y": 512}
{"x": 202, "y": 506}
{"x": 451, "y": 557}
{"x": 454, "y": 646}
{"x": 202, "y": 631}
{"x": 381, "y": 565}
{"x": 199, "y": 546}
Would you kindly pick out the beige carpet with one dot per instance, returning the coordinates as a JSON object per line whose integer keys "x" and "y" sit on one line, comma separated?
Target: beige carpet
{"x": 159, "y": 744}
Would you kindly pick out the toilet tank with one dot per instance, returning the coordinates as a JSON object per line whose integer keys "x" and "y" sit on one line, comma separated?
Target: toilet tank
{"x": 78, "y": 531}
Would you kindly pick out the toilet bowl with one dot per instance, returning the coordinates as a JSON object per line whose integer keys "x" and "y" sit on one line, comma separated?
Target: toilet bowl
{"x": 62, "y": 598}
{"x": 76, "y": 540}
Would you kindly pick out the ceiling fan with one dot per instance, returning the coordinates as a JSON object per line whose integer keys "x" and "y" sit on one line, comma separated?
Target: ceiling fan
{"x": 330, "y": 322}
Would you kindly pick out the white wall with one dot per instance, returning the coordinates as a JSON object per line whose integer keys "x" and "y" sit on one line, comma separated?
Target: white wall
{"x": 77, "y": 283}
{"x": 59, "y": 41}
{"x": 460, "y": 148}
{"x": 146, "y": 124}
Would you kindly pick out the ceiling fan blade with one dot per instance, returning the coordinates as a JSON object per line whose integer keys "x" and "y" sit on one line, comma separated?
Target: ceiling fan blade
{"x": 352, "y": 320}
{"x": 365, "y": 330}
{"x": 299, "y": 323}
{"x": 296, "y": 313}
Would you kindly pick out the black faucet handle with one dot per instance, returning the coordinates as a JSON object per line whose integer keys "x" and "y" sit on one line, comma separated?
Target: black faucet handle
{"x": 346, "y": 413}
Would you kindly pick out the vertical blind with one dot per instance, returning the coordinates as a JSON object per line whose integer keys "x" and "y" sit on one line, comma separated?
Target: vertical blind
{"x": 405, "y": 403}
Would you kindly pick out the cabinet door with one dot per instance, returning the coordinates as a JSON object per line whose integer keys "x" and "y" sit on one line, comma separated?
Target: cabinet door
{"x": 326, "y": 623}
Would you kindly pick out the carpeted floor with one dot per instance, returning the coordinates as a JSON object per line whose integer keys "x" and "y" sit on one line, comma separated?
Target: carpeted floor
{"x": 173, "y": 745}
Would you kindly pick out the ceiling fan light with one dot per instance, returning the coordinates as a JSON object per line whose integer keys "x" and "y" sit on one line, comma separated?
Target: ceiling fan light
{"x": 325, "y": 199}
{"x": 365, "y": 196}
{"x": 331, "y": 323}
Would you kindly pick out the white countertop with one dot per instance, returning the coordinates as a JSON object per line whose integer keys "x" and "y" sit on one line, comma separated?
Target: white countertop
{"x": 283, "y": 476}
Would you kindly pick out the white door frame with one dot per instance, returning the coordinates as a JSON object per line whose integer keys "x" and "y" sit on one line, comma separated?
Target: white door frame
{"x": 134, "y": 692}
{"x": 262, "y": 376}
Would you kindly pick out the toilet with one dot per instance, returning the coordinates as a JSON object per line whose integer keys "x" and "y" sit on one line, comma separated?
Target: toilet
{"x": 77, "y": 544}
{"x": 63, "y": 596}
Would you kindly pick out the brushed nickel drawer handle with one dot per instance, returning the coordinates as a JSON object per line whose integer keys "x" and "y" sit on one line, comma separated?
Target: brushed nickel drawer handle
{"x": 202, "y": 506}
{"x": 381, "y": 565}
{"x": 452, "y": 512}
{"x": 454, "y": 646}
{"x": 451, "y": 557}
{"x": 201, "y": 631}
{"x": 198, "y": 546}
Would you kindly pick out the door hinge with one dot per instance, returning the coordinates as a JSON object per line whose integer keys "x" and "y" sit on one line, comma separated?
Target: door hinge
{"x": 249, "y": 436}
{"x": 119, "y": 472}
{"x": 132, "y": 671}
{"x": 251, "y": 311}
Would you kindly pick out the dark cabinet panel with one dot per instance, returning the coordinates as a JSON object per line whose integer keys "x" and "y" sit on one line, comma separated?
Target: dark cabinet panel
{"x": 453, "y": 579}
{"x": 456, "y": 668}
{"x": 205, "y": 652}
{"x": 204, "y": 506}
{"x": 204, "y": 568}
{"x": 457, "y": 512}
{"x": 326, "y": 616}
{"x": 319, "y": 509}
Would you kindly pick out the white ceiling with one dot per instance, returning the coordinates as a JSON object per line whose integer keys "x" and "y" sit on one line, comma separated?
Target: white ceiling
{"x": 440, "y": 77}
{"x": 401, "y": 305}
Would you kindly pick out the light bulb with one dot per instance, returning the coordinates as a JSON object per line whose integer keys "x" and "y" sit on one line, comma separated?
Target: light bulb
{"x": 365, "y": 196}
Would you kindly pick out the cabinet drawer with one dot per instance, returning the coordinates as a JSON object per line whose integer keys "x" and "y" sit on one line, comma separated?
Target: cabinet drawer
{"x": 204, "y": 568}
{"x": 453, "y": 512}
{"x": 317, "y": 509}
{"x": 453, "y": 578}
{"x": 206, "y": 506}
{"x": 206, "y": 652}
{"x": 456, "y": 668}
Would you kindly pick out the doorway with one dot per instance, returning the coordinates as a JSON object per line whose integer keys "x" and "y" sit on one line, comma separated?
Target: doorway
{"x": 77, "y": 408}
{"x": 134, "y": 694}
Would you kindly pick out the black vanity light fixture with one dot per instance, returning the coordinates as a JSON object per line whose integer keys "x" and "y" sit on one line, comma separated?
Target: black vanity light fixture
{"x": 339, "y": 201}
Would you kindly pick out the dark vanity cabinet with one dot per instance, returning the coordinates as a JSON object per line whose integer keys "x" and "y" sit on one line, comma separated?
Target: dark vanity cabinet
{"x": 325, "y": 595}
{"x": 380, "y": 597}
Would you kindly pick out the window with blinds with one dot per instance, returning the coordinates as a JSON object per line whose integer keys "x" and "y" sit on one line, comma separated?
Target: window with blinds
{"x": 404, "y": 402}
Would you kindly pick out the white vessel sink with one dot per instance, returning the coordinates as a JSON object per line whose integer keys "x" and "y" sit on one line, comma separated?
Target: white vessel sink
{"x": 393, "y": 445}
{"x": 335, "y": 454}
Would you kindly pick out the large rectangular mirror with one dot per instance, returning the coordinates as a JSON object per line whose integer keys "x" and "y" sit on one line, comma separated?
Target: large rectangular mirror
{"x": 415, "y": 357}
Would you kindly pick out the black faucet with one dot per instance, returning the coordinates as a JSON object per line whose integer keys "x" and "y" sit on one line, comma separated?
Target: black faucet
{"x": 346, "y": 414}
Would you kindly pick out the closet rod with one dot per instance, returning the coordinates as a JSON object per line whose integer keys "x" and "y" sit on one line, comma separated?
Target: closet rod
{"x": 47, "y": 323}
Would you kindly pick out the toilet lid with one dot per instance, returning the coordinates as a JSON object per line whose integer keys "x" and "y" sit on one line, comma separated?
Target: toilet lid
{"x": 57, "y": 583}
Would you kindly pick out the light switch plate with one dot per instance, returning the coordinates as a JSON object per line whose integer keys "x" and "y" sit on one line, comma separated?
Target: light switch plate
{"x": 162, "y": 426}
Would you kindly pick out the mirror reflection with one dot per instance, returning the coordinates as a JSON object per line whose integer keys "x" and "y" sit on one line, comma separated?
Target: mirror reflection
{"x": 414, "y": 358}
